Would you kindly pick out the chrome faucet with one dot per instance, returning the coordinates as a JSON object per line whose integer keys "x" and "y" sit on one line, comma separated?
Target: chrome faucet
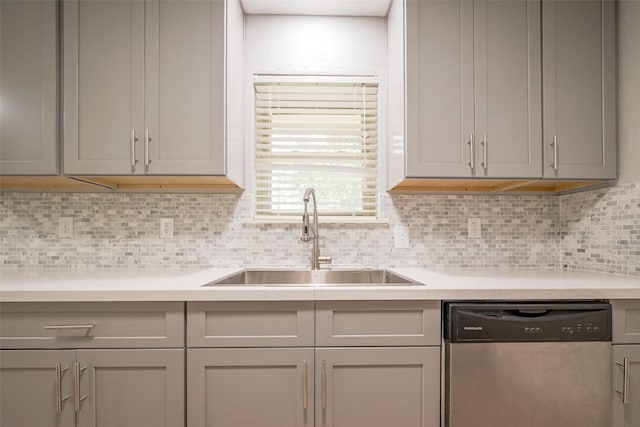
{"x": 312, "y": 234}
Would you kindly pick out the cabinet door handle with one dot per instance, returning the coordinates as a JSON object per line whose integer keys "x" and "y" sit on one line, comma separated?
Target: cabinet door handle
{"x": 625, "y": 380}
{"x": 78, "y": 394}
{"x": 305, "y": 384}
{"x": 484, "y": 153}
{"x": 147, "y": 140}
{"x": 554, "y": 144}
{"x": 324, "y": 384}
{"x": 59, "y": 399}
{"x": 134, "y": 161}
{"x": 472, "y": 160}
{"x": 87, "y": 326}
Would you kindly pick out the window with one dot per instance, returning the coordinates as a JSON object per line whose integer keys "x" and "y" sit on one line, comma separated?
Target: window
{"x": 321, "y": 134}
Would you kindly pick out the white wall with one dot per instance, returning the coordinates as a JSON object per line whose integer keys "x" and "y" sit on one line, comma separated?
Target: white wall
{"x": 629, "y": 90}
{"x": 315, "y": 45}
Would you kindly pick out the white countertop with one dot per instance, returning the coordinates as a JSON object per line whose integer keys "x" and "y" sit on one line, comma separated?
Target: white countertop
{"x": 187, "y": 285}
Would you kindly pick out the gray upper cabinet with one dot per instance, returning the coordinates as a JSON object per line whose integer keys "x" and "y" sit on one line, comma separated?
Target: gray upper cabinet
{"x": 578, "y": 40}
{"x": 473, "y": 89}
{"x": 28, "y": 83}
{"x": 144, "y": 87}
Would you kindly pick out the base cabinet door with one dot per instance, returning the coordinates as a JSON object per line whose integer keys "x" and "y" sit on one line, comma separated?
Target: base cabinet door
{"x": 626, "y": 399}
{"x": 266, "y": 387}
{"x": 141, "y": 388}
{"x": 378, "y": 387}
{"x": 36, "y": 388}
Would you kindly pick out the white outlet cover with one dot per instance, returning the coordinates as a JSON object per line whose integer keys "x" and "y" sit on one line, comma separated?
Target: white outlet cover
{"x": 474, "y": 228}
{"x": 166, "y": 228}
{"x": 65, "y": 227}
{"x": 401, "y": 237}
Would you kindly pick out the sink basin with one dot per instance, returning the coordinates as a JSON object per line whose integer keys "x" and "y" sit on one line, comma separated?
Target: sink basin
{"x": 360, "y": 277}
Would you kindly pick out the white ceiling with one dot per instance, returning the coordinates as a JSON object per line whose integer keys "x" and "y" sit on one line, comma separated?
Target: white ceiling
{"x": 317, "y": 7}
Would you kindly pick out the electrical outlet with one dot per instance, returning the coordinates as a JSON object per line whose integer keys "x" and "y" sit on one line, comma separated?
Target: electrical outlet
{"x": 65, "y": 227}
{"x": 166, "y": 228}
{"x": 474, "y": 228}
{"x": 401, "y": 237}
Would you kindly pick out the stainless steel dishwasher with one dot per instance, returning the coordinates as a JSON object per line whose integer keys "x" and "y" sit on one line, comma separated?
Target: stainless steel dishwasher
{"x": 527, "y": 364}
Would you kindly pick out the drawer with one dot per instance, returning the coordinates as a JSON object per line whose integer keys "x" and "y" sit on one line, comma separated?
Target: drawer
{"x": 377, "y": 323}
{"x": 626, "y": 321}
{"x": 250, "y": 324}
{"x": 91, "y": 325}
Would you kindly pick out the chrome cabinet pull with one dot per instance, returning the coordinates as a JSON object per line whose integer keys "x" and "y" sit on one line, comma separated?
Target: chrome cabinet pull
{"x": 484, "y": 153}
{"x": 87, "y": 326}
{"x": 324, "y": 384}
{"x": 147, "y": 140}
{"x": 625, "y": 380}
{"x": 134, "y": 161}
{"x": 554, "y": 144}
{"x": 305, "y": 384}
{"x": 59, "y": 399}
{"x": 79, "y": 398}
{"x": 472, "y": 160}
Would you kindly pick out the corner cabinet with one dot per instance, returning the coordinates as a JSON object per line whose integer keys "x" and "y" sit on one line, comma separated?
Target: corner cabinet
{"x": 29, "y": 87}
{"x": 92, "y": 364}
{"x": 145, "y": 88}
{"x": 625, "y": 394}
{"x": 473, "y": 89}
{"x": 579, "y": 69}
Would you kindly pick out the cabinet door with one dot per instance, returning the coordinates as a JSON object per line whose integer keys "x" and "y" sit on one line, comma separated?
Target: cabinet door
{"x": 142, "y": 388}
{"x": 103, "y": 87}
{"x": 184, "y": 87}
{"x": 439, "y": 88}
{"x": 32, "y": 393}
{"x": 508, "y": 79}
{"x": 28, "y": 83}
{"x": 266, "y": 387}
{"x": 578, "y": 44}
{"x": 626, "y": 414}
{"x": 378, "y": 387}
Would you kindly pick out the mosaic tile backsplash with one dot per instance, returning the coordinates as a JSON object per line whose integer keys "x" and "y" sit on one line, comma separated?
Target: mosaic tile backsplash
{"x": 582, "y": 231}
{"x": 601, "y": 230}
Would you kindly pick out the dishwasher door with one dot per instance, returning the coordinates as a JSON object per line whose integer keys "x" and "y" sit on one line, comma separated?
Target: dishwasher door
{"x": 532, "y": 384}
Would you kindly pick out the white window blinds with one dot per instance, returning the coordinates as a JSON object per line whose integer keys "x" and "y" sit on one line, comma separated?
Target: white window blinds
{"x": 316, "y": 134}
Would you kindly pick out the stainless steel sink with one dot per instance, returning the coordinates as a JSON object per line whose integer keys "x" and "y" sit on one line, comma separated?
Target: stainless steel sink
{"x": 360, "y": 277}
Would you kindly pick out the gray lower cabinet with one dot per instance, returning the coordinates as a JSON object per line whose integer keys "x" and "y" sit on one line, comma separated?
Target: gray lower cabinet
{"x": 28, "y": 83}
{"x": 132, "y": 387}
{"x": 144, "y": 87}
{"x": 378, "y": 387}
{"x": 626, "y": 399}
{"x": 626, "y": 363}
{"x": 267, "y": 387}
{"x": 34, "y": 390}
{"x": 579, "y": 89}
{"x": 473, "y": 88}
{"x": 92, "y": 364}
{"x": 375, "y": 363}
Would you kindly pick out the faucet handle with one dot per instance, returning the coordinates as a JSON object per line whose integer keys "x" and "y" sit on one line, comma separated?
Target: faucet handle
{"x": 324, "y": 260}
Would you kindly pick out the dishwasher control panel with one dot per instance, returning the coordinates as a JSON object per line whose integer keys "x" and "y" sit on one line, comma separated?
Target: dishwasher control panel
{"x": 527, "y": 322}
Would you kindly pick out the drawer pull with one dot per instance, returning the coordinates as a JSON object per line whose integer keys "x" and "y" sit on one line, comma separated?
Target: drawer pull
{"x": 59, "y": 399}
{"x": 88, "y": 326}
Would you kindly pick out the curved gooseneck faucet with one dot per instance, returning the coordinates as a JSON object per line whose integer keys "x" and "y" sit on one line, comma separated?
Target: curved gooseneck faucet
{"x": 312, "y": 234}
